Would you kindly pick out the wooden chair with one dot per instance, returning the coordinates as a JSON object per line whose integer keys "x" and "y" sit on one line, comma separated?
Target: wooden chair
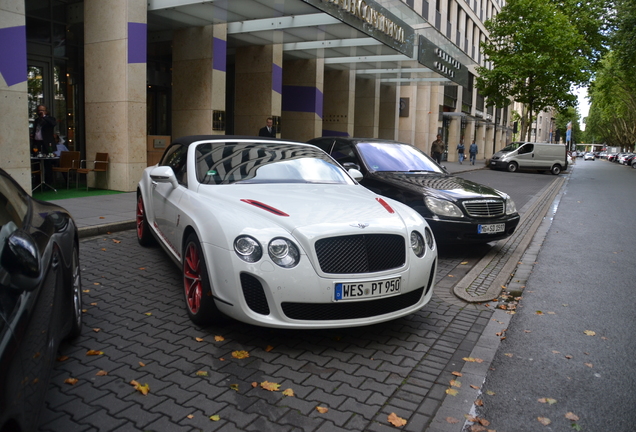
{"x": 100, "y": 164}
{"x": 69, "y": 161}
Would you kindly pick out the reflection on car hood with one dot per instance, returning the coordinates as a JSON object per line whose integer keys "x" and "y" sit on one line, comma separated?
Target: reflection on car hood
{"x": 324, "y": 208}
{"x": 445, "y": 185}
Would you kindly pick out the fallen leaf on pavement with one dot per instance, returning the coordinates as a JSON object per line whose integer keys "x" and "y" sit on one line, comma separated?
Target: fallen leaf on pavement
{"x": 142, "y": 364}
{"x": 479, "y": 402}
{"x": 240, "y": 354}
{"x": 288, "y": 392}
{"x": 202, "y": 373}
{"x": 457, "y": 373}
{"x": 452, "y": 420}
{"x": 549, "y": 401}
{"x": 71, "y": 381}
{"x": 198, "y": 339}
{"x": 544, "y": 420}
{"x": 395, "y": 420}
{"x": 190, "y": 416}
{"x": 116, "y": 241}
{"x": 269, "y": 348}
{"x": 94, "y": 352}
{"x": 456, "y": 383}
{"x": 590, "y": 332}
{"x": 101, "y": 373}
{"x": 270, "y": 386}
{"x": 219, "y": 338}
{"x": 322, "y": 410}
{"x": 143, "y": 389}
{"x": 451, "y": 392}
{"x": 572, "y": 416}
{"x": 589, "y": 365}
{"x": 62, "y": 358}
{"x": 215, "y": 417}
{"x": 234, "y": 387}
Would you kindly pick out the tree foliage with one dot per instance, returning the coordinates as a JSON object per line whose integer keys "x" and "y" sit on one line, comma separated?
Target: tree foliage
{"x": 612, "y": 117}
{"x": 539, "y": 50}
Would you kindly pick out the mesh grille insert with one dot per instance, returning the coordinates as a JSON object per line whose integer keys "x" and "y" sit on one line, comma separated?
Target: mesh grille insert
{"x": 484, "y": 208}
{"x": 364, "y": 253}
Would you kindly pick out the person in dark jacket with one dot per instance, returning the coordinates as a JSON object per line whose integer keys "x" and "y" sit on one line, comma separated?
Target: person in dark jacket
{"x": 43, "y": 131}
{"x": 269, "y": 130}
{"x": 472, "y": 151}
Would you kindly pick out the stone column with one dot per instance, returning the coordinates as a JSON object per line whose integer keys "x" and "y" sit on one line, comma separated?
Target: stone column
{"x": 115, "y": 34}
{"x": 367, "y": 107}
{"x": 198, "y": 79}
{"x": 426, "y": 115}
{"x": 489, "y": 138}
{"x": 339, "y": 103}
{"x": 389, "y": 111}
{"x": 303, "y": 85}
{"x": 258, "y": 90}
{"x": 14, "y": 110}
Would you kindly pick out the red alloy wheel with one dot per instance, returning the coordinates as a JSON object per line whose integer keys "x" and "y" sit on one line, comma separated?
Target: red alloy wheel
{"x": 192, "y": 278}
{"x": 140, "y": 217}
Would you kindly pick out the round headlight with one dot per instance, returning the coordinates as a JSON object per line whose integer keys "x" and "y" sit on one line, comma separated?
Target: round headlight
{"x": 417, "y": 244}
{"x": 442, "y": 207}
{"x": 430, "y": 240}
{"x": 248, "y": 249}
{"x": 283, "y": 252}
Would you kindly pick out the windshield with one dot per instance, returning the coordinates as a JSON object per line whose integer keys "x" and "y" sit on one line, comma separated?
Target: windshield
{"x": 227, "y": 163}
{"x": 396, "y": 157}
{"x": 512, "y": 146}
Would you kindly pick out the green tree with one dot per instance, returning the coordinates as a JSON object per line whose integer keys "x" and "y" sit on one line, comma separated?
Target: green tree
{"x": 538, "y": 51}
{"x": 612, "y": 117}
{"x": 561, "y": 120}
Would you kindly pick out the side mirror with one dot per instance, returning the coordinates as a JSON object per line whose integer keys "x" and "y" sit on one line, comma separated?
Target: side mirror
{"x": 21, "y": 259}
{"x": 164, "y": 174}
{"x": 356, "y": 174}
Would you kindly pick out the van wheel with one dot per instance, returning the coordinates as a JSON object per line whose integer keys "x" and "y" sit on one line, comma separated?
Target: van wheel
{"x": 513, "y": 167}
{"x": 556, "y": 169}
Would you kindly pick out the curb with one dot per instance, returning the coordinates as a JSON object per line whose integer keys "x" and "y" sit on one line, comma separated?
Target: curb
{"x": 95, "y": 230}
{"x": 537, "y": 210}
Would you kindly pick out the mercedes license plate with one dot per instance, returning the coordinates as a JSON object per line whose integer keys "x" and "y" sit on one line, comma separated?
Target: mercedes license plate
{"x": 491, "y": 228}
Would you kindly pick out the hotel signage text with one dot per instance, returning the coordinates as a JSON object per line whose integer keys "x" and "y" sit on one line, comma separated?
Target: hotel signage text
{"x": 360, "y": 9}
{"x": 371, "y": 18}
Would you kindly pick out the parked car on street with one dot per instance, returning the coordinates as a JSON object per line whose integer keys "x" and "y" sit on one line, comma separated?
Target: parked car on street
{"x": 531, "y": 156}
{"x": 457, "y": 210}
{"x": 40, "y": 299}
{"x": 276, "y": 233}
{"x": 589, "y": 156}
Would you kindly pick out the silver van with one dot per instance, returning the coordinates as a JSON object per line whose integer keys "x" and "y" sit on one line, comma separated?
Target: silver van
{"x": 531, "y": 156}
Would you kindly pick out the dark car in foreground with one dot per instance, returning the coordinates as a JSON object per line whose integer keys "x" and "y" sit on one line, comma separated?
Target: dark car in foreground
{"x": 40, "y": 299}
{"x": 457, "y": 210}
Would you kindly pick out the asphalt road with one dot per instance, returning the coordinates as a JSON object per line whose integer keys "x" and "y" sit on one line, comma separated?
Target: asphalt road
{"x": 570, "y": 347}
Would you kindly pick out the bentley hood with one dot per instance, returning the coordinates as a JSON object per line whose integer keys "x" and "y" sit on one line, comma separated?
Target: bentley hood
{"x": 312, "y": 208}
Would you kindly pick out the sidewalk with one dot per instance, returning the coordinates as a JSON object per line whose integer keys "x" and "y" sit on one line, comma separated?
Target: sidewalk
{"x": 108, "y": 213}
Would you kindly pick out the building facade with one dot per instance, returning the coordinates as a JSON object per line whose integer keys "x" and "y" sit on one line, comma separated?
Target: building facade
{"x": 126, "y": 76}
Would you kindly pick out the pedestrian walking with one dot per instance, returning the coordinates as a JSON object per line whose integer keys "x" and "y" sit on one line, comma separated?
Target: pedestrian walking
{"x": 460, "y": 151}
{"x": 437, "y": 148}
{"x": 472, "y": 151}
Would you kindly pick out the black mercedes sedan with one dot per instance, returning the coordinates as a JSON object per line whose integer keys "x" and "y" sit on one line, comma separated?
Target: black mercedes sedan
{"x": 457, "y": 210}
{"x": 40, "y": 299}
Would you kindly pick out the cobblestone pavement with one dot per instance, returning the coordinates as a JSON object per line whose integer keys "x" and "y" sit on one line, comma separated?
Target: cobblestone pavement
{"x": 135, "y": 315}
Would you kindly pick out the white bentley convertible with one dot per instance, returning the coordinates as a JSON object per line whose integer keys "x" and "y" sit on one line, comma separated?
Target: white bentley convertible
{"x": 276, "y": 233}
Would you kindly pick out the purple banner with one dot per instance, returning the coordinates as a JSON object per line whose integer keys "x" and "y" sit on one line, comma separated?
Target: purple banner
{"x": 277, "y": 78}
{"x": 219, "y": 54}
{"x": 137, "y": 42}
{"x": 13, "y": 55}
{"x": 302, "y": 99}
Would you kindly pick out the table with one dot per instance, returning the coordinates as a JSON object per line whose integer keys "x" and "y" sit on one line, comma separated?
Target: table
{"x": 43, "y": 172}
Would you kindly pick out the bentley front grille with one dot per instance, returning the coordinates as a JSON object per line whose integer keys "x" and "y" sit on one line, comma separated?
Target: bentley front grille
{"x": 363, "y": 253}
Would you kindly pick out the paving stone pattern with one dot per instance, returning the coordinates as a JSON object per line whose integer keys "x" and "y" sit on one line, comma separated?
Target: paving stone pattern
{"x": 136, "y": 316}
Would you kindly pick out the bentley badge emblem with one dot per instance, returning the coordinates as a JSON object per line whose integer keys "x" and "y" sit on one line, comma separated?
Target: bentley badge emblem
{"x": 361, "y": 225}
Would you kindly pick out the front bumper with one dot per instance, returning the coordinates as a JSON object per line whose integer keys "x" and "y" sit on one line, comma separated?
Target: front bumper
{"x": 498, "y": 164}
{"x": 466, "y": 231}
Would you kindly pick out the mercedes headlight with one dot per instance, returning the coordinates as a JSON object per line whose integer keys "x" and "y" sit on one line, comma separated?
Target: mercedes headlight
{"x": 248, "y": 249}
{"x": 442, "y": 207}
{"x": 283, "y": 252}
{"x": 510, "y": 206}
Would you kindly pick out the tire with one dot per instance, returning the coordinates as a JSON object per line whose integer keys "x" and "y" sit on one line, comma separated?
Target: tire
{"x": 196, "y": 284}
{"x": 76, "y": 325}
{"x": 513, "y": 167}
{"x": 144, "y": 236}
{"x": 556, "y": 169}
